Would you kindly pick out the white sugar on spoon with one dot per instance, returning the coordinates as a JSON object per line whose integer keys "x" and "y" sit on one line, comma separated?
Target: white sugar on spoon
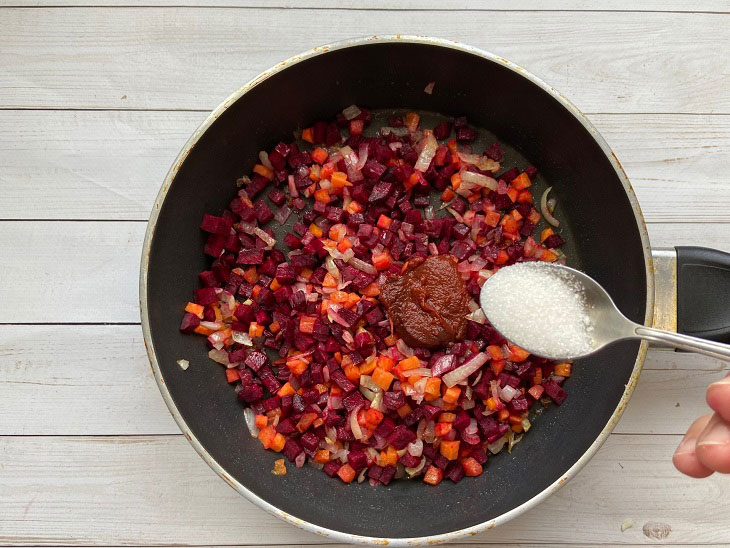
{"x": 561, "y": 313}
{"x": 539, "y": 309}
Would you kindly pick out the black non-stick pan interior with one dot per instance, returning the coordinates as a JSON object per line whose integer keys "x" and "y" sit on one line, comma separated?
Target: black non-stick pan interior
{"x": 597, "y": 217}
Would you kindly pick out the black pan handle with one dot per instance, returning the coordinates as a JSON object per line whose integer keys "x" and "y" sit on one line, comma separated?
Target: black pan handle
{"x": 703, "y": 293}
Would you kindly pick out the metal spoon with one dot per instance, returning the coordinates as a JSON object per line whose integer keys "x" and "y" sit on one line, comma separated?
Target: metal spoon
{"x": 610, "y": 325}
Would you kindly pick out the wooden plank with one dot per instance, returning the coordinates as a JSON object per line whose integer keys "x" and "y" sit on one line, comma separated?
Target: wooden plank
{"x": 56, "y": 164}
{"x": 89, "y": 270}
{"x": 70, "y": 271}
{"x": 193, "y": 58}
{"x": 104, "y": 371}
{"x": 686, "y": 6}
{"x": 156, "y": 490}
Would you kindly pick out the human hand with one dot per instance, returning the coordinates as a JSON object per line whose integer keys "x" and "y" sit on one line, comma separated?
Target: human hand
{"x": 705, "y": 447}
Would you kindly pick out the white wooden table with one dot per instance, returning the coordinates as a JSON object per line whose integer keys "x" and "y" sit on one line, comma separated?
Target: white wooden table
{"x": 97, "y": 97}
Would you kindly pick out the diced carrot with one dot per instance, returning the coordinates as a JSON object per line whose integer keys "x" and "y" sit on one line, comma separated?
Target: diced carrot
{"x": 502, "y": 257}
{"x": 449, "y": 449}
{"x": 315, "y": 230}
{"x": 515, "y": 419}
{"x": 512, "y": 193}
{"x": 196, "y": 309}
{"x": 368, "y": 367}
{"x": 447, "y": 417}
{"x": 322, "y": 456}
{"x": 346, "y": 473}
{"x": 337, "y": 232}
{"x": 509, "y": 224}
{"x": 492, "y": 404}
{"x": 391, "y": 456}
{"x": 386, "y": 363}
{"x": 326, "y": 171}
{"x": 371, "y": 290}
{"x": 306, "y": 421}
{"x": 286, "y": 390}
{"x": 382, "y": 261}
{"x": 517, "y": 428}
{"x": 537, "y": 379}
{"x": 440, "y": 157}
{"x": 432, "y": 390}
{"x": 352, "y": 372}
{"x": 472, "y": 468}
{"x": 319, "y": 155}
{"x": 261, "y": 421}
{"x": 452, "y": 394}
{"x": 503, "y": 414}
{"x": 409, "y": 363}
{"x": 495, "y": 352}
{"x": 344, "y": 245}
{"x": 456, "y": 181}
{"x": 296, "y": 366}
{"x": 442, "y": 428}
{"x": 322, "y": 195}
{"x": 251, "y": 275}
{"x": 536, "y": 391}
{"x": 263, "y": 171}
{"x": 232, "y": 375}
{"x": 356, "y": 127}
{"x": 412, "y": 119}
{"x": 353, "y": 207}
{"x": 404, "y": 411}
{"x": 274, "y": 327}
{"x": 492, "y": 218}
{"x": 384, "y": 222}
{"x": 352, "y": 300}
{"x": 497, "y": 366}
{"x": 266, "y": 436}
{"x": 373, "y": 417}
{"x": 412, "y": 180}
{"x": 447, "y": 195}
{"x": 517, "y": 354}
{"x": 433, "y": 475}
{"x": 277, "y": 444}
{"x": 255, "y": 330}
{"x": 524, "y": 197}
{"x": 306, "y": 324}
{"x": 338, "y": 357}
{"x": 545, "y": 234}
{"x": 329, "y": 281}
{"x": 516, "y": 215}
{"x": 339, "y": 297}
{"x": 548, "y": 256}
{"x": 562, "y": 369}
{"x": 202, "y": 330}
{"x": 338, "y": 180}
{"x": 308, "y": 135}
{"x": 453, "y": 147}
{"x": 522, "y": 181}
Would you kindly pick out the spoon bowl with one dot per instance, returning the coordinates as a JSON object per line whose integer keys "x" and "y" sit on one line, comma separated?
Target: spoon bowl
{"x": 605, "y": 324}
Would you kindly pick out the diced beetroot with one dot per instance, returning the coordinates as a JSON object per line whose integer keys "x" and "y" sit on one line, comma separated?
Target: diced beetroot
{"x": 256, "y": 360}
{"x": 357, "y": 459}
{"x": 342, "y": 381}
{"x": 353, "y": 401}
{"x": 455, "y": 472}
{"x": 494, "y": 152}
{"x": 263, "y": 212}
{"x": 215, "y": 225}
{"x": 331, "y": 468}
{"x": 465, "y": 134}
{"x": 555, "y": 391}
{"x": 277, "y": 196}
{"x": 205, "y": 296}
{"x": 285, "y": 274}
{"x": 375, "y": 471}
{"x": 442, "y": 131}
{"x": 214, "y": 245}
{"x": 286, "y": 427}
{"x": 409, "y": 461}
{"x": 380, "y": 191}
{"x": 400, "y": 437}
{"x": 267, "y": 377}
{"x": 462, "y": 421}
{"x": 440, "y": 462}
{"x": 387, "y": 474}
{"x": 251, "y": 393}
{"x": 250, "y": 257}
{"x": 189, "y": 323}
{"x": 553, "y": 241}
{"x": 309, "y": 441}
{"x": 291, "y": 449}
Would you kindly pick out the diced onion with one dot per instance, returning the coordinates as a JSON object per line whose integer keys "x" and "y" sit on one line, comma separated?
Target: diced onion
{"x": 513, "y": 440}
{"x": 429, "y": 88}
{"x": 300, "y": 459}
{"x": 544, "y": 208}
{"x": 250, "y": 417}
{"x": 463, "y": 371}
{"x": 428, "y": 151}
{"x": 477, "y": 316}
{"x": 497, "y": 445}
{"x": 478, "y": 179}
{"x": 283, "y": 214}
{"x": 415, "y": 448}
{"x": 293, "y": 192}
{"x": 367, "y": 382}
{"x": 397, "y": 131}
{"x": 403, "y": 348}
{"x": 219, "y": 356}
{"x": 241, "y": 337}
{"x": 264, "y": 157}
{"x": 354, "y": 425}
{"x": 420, "y": 371}
{"x": 351, "y": 112}
{"x": 184, "y": 364}
{"x": 507, "y": 394}
{"x": 361, "y": 265}
{"x": 414, "y": 471}
{"x": 362, "y": 156}
{"x": 377, "y": 402}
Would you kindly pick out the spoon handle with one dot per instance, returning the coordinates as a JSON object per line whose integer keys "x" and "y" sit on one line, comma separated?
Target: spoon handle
{"x": 684, "y": 342}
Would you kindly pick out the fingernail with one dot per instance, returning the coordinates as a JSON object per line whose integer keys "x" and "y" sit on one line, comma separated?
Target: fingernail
{"x": 717, "y": 433}
{"x": 686, "y": 446}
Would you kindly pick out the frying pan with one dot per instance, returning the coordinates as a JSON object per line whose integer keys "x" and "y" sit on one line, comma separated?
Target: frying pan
{"x": 600, "y": 216}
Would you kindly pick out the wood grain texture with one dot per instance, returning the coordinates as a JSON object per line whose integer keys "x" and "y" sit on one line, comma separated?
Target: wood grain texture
{"x": 110, "y": 164}
{"x": 193, "y": 58}
{"x": 686, "y": 6}
{"x": 87, "y": 272}
{"x": 156, "y": 490}
{"x": 96, "y": 380}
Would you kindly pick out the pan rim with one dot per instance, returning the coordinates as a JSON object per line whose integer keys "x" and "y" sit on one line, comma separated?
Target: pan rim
{"x": 341, "y": 535}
